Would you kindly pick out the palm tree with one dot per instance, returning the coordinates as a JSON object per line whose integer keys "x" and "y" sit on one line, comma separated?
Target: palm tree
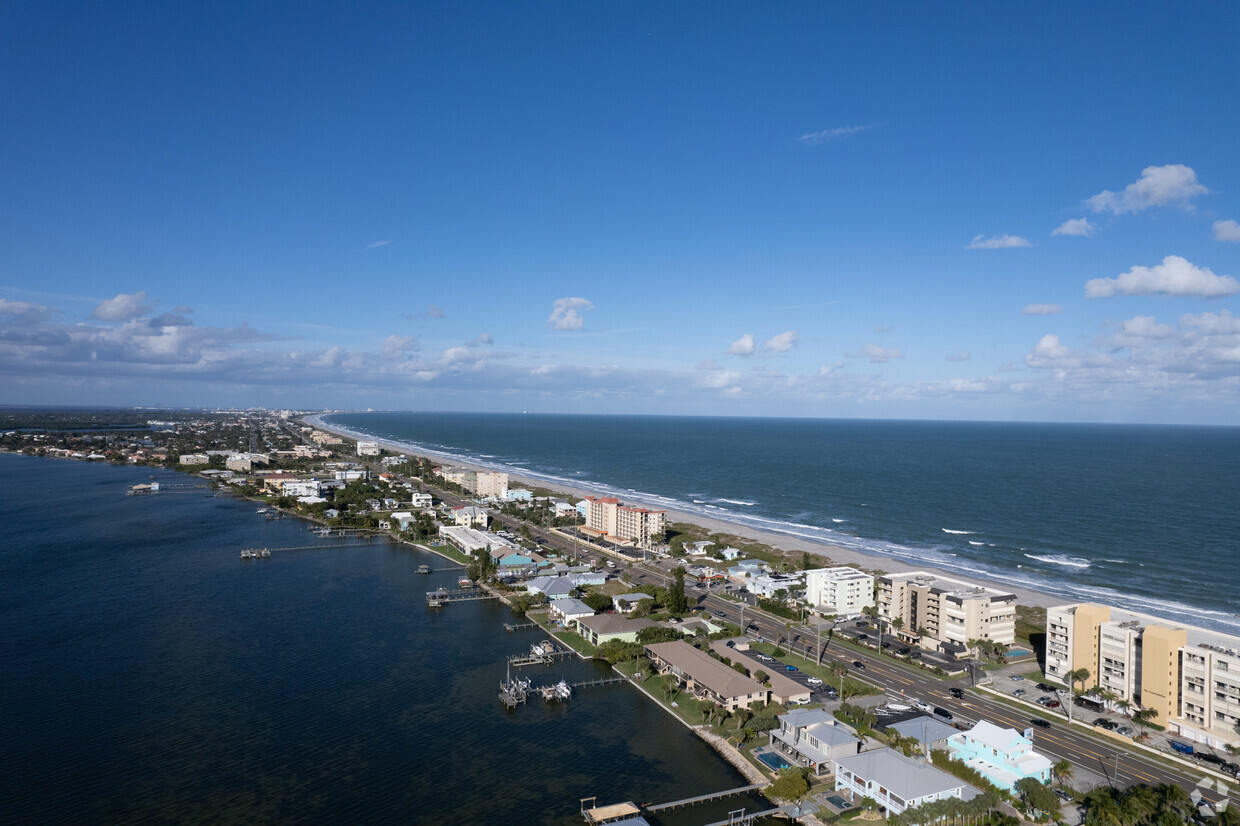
{"x": 1062, "y": 771}
{"x": 1139, "y": 804}
{"x": 1103, "y": 810}
{"x": 1080, "y": 675}
{"x": 1145, "y": 715}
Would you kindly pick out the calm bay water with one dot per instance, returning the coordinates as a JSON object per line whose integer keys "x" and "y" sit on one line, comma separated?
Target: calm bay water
{"x": 149, "y": 676}
{"x": 1144, "y": 517}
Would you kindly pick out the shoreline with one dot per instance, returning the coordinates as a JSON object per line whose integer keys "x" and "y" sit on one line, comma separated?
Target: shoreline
{"x": 838, "y": 555}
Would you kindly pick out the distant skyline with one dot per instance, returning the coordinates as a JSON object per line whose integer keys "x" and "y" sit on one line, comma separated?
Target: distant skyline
{"x": 965, "y": 211}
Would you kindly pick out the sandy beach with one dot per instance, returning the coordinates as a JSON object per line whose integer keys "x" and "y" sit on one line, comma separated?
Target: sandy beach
{"x": 838, "y": 555}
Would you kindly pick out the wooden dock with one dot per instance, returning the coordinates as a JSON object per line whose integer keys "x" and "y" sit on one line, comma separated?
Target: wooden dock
{"x": 544, "y": 658}
{"x": 704, "y": 798}
{"x": 519, "y": 626}
{"x": 436, "y": 599}
{"x": 621, "y": 811}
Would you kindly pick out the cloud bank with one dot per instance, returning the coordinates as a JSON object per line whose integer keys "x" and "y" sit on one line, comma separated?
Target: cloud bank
{"x": 1170, "y": 185}
{"x": 1174, "y": 276}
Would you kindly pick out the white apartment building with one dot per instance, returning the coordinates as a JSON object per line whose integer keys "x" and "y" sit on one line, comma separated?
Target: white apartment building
{"x": 841, "y": 591}
{"x": 1189, "y": 676}
{"x": 367, "y": 448}
{"x": 195, "y": 459}
{"x": 420, "y": 500}
{"x": 949, "y": 611}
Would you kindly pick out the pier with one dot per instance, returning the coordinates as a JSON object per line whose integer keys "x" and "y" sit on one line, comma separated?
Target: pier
{"x": 436, "y": 599}
{"x": 620, "y": 811}
{"x": 543, "y": 653}
{"x": 519, "y": 626}
{"x": 515, "y": 691}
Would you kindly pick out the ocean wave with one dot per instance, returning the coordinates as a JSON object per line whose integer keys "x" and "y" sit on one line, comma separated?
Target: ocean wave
{"x": 1059, "y": 559}
{"x": 960, "y": 533}
{"x": 839, "y": 520}
{"x": 736, "y": 502}
{"x": 974, "y": 542}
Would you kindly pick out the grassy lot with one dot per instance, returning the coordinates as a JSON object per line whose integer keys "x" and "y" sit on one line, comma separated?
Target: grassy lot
{"x": 664, "y": 689}
{"x": 452, "y": 553}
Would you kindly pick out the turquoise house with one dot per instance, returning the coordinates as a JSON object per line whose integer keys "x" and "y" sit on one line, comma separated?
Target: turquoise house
{"x": 1002, "y": 755}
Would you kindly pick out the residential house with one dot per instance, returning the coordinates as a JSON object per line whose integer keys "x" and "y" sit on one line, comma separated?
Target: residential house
{"x": 765, "y": 585}
{"x": 811, "y": 738}
{"x": 1002, "y": 755}
{"x": 368, "y": 449}
{"x": 705, "y": 677}
{"x": 471, "y": 516}
{"x": 420, "y": 500}
{"x": 929, "y": 731}
{"x": 567, "y": 611}
{"x": 555, "y": 587}
{"x": 603, "y": 628}
{"x": 404, "y": 519}
{"x": 730, "y": 554}
{"x": 519, "y": 495}
{"x": 896, "y": 781}
{"x": 624, "y": 603}
{"x": 698, "y": 548}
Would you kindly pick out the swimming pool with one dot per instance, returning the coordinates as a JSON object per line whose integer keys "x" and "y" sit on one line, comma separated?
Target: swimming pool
{"x": 774, "y": 761}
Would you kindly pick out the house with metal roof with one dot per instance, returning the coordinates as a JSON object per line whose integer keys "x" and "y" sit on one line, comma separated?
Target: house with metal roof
{"x": 812, "y": 738}
{"x": 1002, "y": 755}
{"x": 896, "y": 781}
{"x": 931, "y": 733}
{"x": 569, "y": 610}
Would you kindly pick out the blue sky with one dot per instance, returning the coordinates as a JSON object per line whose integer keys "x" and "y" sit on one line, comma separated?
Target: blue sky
{"x": 964, "y": 211}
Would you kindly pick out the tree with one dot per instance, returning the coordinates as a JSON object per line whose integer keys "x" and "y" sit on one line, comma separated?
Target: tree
{"x": 761, "y": 676}
{"x": 1062, "y": 771}
{"x": 599, "y": 602}
{"x": 1080, "y": 675}
{"x": 1036, "y": 797}
{"x": 677, "y": 602}
{"x": 790, "y": 785}
{"x": 1145, "y": 715}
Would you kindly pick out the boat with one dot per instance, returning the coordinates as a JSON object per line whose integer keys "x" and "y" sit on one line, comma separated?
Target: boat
{"x": 424, "y": 569}
{"x": 261, "y": 510}
{"x": 266, "y": 552}
{"x": 464, "y": 582}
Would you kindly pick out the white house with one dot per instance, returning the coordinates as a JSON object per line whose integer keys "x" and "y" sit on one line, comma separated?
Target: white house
{"x": 569, "y": 610}
{"x": 624, "y": 603}
{"x": 470, "y": 516}
{"x": 421, "y": 500}
{"x": 765, "y": 585}
{"x": 698, "y": 548}
{"x": 896, "y": 781}
{"x": 1002, "y": 755}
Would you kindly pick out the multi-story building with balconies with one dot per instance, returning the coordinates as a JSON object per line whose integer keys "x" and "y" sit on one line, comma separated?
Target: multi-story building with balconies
{"x": 1189, "y": 676}
{"x": 842, "y": 591}
{"x": 946, "y": 613}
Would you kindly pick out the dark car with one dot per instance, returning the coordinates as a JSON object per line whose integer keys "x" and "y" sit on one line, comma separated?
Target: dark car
{"x": 730, "y": 644}
{"x": 1045, "y": 687}
{"x": 916, "y": 655}
{"x": 1051, "y": 704}
{"x": 886, "y": 645}
{"x": 1206, "y": 757}
{"x": 863, "y": 636}
{"x": 939, "y": 711}
{"x": 859, "y": 664}
{"x": 1040, "y": 723}
{"x": 958, "y": 693}
{"x": 904, "y": 651}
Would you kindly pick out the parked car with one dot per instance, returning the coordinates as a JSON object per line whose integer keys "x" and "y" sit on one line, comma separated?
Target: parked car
{"x": 903, "y": 652}
{"x": 791, "y": 668}
{"x": 1052, "y": 704}
{"x": 921, "y": 706}
{"x": 1020, "y": 692}
{"x": 1016, "y": 678}
{"x": 863, "y": 636}
{"x": 939, "y": 711}
{"x": 886, "y": 645}
{"x": 1213, "y": 759}
{"x": 916, "y": 655}
{"x": 1045, "y": 687}
{"x": 814, "y": 681}
{"x": 730, "y": 644}
{"x": 1124, "y": 730}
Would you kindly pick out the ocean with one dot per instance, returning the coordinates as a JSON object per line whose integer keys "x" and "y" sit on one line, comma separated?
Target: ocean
{"x": 1141, "y": 517}
{"x": 150, "y": 676}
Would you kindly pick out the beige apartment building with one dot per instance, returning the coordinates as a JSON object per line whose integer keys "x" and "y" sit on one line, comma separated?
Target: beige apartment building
{"x": 1189, "y": 676}
{"x": 608, "y": 517}
{"x": 843, "y": 591}
{"x": 490, "y": 484}
{"x": 946, "y": 613}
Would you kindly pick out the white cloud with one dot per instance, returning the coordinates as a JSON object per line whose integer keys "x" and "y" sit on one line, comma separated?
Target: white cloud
{"x": 828, "y": 135}
{"x": 743, "y": 346}
{"x": 877, "y": 354}
{"x": 997, "y": 242}
{"x": 374, "y": 244}
{"x": 830, "y": 369}
{"x": 963, "y": 355}
{"x": 1226, "y": 230}
{"x": 1050, "y": 352}
{"x": 781, "y": 343}
{"x": 1170, "y": 185}
{"x": 1076, "y": 226}
{"x": 396, "y": 346}
{"x": 23, "y": 312}
{"x": 1174, "y": 276}
{"x": 123, "y": 307}
{"x": 1144, "y": 326}
{"x": 566, "y": 313}
{"x": 1042, "y": 309}
{"x": 1221, "y": 323}
{"x": 484, "y": 338}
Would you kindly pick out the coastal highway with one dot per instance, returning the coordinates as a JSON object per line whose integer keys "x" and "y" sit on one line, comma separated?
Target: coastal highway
{"x": 1085, "y": 750}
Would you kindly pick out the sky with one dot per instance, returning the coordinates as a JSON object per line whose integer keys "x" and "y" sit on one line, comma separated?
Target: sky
{"x": 967, "y": 210}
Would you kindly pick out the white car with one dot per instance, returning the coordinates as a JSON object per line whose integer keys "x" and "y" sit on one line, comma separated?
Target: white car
{"x": 921, "y": 706}
{"x": 814, "y": 681}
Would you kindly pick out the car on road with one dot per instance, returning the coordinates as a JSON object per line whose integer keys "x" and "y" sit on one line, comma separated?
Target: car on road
{"x": 1040, "y": 723}
{"x": 720, "y": 614}
{"x": 956, "y": 692}
{"x": 859, "y": 664}
{"x": 814, "y": 681}
{"x": 791, "y": 668}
